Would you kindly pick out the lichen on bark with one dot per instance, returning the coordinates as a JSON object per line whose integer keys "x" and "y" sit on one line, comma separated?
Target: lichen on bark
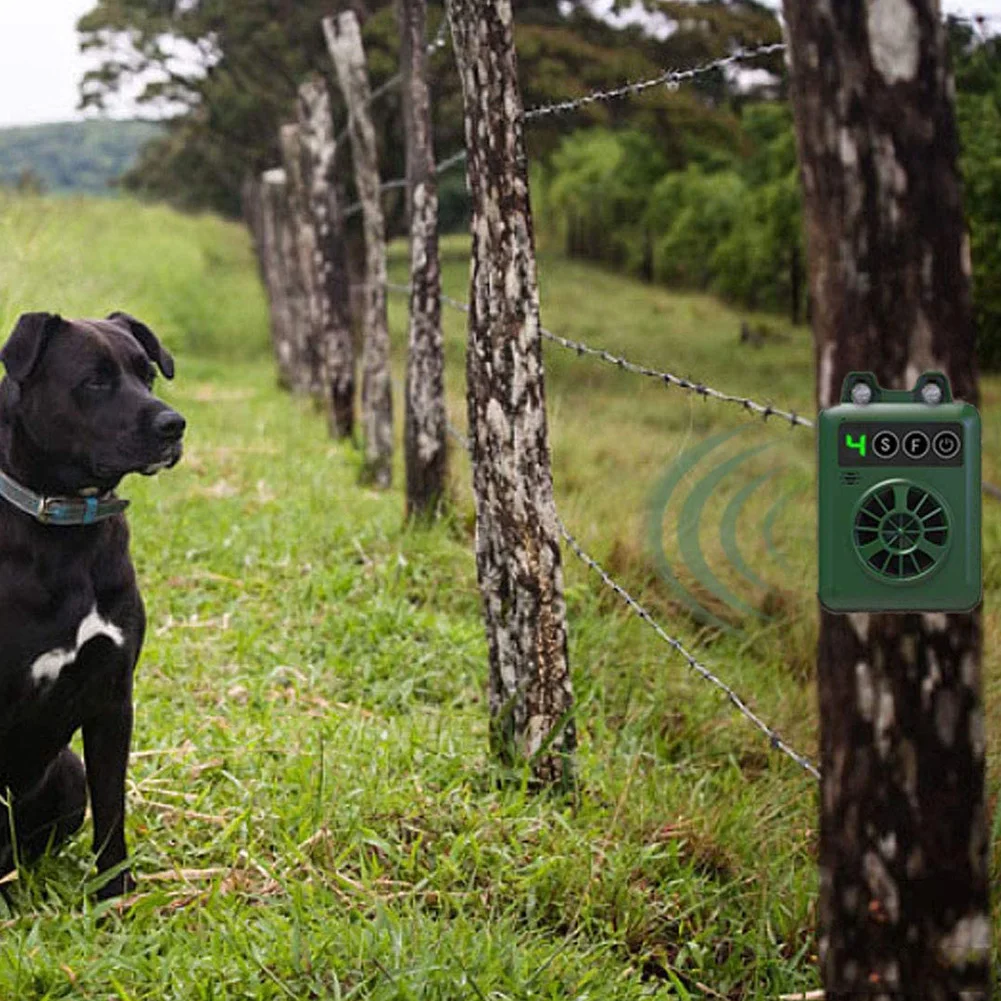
{"x": 518, "y": 555}
{"x": 332, "y": 309}
{"x": 424, "y": 419}
{"x": 344, "y": 42}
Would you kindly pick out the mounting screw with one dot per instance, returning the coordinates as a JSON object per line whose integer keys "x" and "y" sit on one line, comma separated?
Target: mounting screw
{"x": 861, "y": 393}
{"x": 931, "y": 392}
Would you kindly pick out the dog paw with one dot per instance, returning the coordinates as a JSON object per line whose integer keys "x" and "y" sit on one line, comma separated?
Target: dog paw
{"x": 118, "y": 886}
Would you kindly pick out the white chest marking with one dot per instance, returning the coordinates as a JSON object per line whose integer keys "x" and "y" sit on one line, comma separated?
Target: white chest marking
{"x": 48, "y": 666}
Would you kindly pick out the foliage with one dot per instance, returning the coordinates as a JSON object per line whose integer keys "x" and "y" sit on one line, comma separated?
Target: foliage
{"x": 690, "y": 213}
{"x": 729, "y": 222}
{"x": 978, "y": 79}
{"x": 86, "y": 157}
{"x": 228, "y": 69}
{"x": 599, "y": 189}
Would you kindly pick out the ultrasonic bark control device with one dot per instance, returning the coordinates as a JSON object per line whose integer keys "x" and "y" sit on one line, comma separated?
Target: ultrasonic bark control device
{"x": 899, "y": 499}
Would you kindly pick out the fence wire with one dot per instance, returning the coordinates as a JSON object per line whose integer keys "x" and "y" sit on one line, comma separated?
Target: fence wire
{"x": 665, "y": 378}
{"x": 401, "y": 182}
{"x": 669, "y": 78}
{"x": 774, "y": 738}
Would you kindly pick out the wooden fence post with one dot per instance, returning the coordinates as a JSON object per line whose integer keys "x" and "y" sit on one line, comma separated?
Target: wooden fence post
{"x": 273, "y": 225}
{"x": 331, "y": 308}
{"x": 518, "y": 555}
{"x": 301, "y": 264}
{"x": 344, "y": 42}
{"x": 424, "y": 421}
{"x": 904, "y": 909}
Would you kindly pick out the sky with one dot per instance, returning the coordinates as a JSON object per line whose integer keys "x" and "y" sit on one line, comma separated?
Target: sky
{"x": 41, "y": 65}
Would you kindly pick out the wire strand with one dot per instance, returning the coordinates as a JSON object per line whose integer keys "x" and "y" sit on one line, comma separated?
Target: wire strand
{"x": 665, "y": 378}
{"x": 667, "y": 78}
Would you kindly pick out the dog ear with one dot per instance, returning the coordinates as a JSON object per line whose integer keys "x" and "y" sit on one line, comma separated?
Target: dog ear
{"x": 149, "y": 341}
{"x": 24, "y": 347}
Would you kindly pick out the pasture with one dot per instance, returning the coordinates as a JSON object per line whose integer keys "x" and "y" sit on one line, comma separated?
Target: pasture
{"x": 312, "y": 810}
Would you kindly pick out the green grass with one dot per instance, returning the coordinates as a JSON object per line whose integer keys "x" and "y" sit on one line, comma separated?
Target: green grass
{"x": 312, "y": 811}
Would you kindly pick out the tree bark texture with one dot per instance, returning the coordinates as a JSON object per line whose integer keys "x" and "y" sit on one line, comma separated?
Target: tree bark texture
{"x": 903, "y": 853}
{"x": 424, "y": 421}
{"x": 344, "y": 43}
{"x": 307, "y": 375}
{"x": 331, "y": 310}
{"x": 517, "y": 543}
{"x": 274, "y": 226}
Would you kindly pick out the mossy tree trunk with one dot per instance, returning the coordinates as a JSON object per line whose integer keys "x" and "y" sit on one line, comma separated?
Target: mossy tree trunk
{"x": 903, "y": 846}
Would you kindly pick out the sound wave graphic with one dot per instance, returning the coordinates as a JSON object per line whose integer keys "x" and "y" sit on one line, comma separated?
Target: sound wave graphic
{"x": 691, "y": 518}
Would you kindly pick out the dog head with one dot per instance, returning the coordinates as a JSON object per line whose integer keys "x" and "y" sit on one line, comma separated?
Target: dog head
{"x": 81, "y": 393}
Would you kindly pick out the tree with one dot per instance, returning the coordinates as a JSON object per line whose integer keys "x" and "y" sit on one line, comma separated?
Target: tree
{"x": 903, "y": 839}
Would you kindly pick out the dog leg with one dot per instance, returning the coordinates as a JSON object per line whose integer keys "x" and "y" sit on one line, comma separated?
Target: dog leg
{"x": 54, "y": 811}
{"x": 106, "y": 741}
{"x": 47, "y": 816}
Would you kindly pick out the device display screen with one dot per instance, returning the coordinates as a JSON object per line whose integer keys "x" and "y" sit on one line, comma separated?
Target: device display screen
{"x": 903, "y": 443}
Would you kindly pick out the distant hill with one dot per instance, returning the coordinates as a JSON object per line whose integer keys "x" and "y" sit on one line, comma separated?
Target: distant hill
{"x": 81, "y": 157}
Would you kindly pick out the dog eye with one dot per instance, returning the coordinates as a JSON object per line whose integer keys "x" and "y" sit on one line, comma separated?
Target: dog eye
{"x": 98, "y": 384}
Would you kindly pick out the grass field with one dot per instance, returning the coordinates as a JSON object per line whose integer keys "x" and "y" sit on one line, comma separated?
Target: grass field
{"x": 312, "y": 812}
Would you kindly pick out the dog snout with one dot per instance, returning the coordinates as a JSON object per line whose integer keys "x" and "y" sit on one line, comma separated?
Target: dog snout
{"x": 169, "y": 425}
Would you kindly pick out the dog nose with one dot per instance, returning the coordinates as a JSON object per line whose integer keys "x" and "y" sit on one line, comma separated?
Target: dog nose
{"x": 169, "y": 425}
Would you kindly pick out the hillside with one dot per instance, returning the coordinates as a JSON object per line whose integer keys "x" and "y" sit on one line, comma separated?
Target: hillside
{"x": 311, "y": 806}
{"x": 84, "y": 157}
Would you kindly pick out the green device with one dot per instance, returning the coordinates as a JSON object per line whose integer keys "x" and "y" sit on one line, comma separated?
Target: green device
{"x": 899, "y": 499}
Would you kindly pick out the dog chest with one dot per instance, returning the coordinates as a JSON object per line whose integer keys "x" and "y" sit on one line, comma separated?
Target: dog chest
{"x": 47, "y": 666}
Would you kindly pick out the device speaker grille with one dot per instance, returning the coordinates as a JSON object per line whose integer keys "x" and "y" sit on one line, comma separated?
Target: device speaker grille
{"x": 901, "y": 531}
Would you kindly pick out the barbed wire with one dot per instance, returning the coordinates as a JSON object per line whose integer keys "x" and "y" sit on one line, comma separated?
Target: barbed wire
{"x": 669, "y": 78}
{"x": 665, "y": 378}
{"x": 401, "y": 182}
{"x": 774, "y": 739}
{"x": 668, "y": 379}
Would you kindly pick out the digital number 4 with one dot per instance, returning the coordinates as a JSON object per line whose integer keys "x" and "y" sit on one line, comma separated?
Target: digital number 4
{"x": 859, "y": 445}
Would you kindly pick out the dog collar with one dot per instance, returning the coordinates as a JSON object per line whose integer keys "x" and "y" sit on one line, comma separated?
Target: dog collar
{"x": 60, "y": 510}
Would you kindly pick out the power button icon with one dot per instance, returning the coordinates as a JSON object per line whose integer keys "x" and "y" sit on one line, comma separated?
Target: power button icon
{"x": 947, "y": 444}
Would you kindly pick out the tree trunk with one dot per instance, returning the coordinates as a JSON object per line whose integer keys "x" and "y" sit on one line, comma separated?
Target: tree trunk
{"x": 424, "y": 423}
{"x": 332, "y": 309}
{"x": 344, "y": 42}
{"x": 903, "y": 841}
{"x": 274, "y": 238}
{"x": 517, "y": 547}
{"x": 307, "y": 375}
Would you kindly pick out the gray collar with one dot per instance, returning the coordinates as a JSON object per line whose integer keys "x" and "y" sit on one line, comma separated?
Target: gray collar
{"x": 67, "y": 511}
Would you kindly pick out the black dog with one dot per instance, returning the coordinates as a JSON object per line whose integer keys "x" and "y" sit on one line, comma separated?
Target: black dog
{"x": 77, "y": 414}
